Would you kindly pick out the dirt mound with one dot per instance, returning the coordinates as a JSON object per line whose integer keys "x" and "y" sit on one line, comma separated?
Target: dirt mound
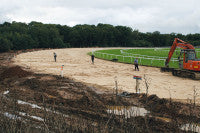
{"x": 15, "y": 71}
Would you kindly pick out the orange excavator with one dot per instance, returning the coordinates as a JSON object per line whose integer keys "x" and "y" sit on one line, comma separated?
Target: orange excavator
{"x": 189, "y": 65}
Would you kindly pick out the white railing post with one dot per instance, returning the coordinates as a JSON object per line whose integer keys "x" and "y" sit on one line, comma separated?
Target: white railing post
{"x": 62, "y": 71}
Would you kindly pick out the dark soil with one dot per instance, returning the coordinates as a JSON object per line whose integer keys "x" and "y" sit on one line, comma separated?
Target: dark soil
{"x": 14, "y": 72}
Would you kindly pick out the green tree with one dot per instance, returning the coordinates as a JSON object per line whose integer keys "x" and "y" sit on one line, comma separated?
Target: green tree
{"x": 124, "y": 36}
{"x": 5, "y": 44}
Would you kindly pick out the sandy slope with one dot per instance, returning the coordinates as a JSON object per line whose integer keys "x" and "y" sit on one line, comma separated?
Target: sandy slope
{"x": 77, "y": 65}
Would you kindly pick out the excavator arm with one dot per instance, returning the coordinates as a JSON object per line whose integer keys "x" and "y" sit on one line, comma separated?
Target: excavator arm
{"x": 177, "y": 43}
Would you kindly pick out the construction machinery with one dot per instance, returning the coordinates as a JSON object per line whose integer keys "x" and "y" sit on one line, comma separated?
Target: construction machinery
{"x": 189, "y": 65}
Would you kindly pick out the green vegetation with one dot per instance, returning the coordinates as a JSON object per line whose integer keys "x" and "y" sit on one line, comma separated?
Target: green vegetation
{"x": 150, "y": 57}
{"x": 19, "y": 36}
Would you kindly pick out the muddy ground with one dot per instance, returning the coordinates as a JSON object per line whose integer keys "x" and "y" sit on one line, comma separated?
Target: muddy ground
{"x": 31, "y": 102}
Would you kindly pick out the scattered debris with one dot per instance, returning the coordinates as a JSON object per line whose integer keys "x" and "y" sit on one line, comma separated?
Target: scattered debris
{"x": 125, "y": 94}
{"x": 127, "y": 112}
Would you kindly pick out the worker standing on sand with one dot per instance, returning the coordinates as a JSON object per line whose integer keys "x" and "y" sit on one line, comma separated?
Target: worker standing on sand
{"x": 55, "y": 55}
{"x": 136, "y": 64}
{"x": 92, "y": 58}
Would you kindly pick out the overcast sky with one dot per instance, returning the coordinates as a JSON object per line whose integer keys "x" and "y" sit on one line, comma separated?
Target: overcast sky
{"x": 166, "y": 16}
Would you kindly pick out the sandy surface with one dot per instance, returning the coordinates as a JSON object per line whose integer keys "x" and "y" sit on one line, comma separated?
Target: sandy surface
{"x": 77, "y": 65}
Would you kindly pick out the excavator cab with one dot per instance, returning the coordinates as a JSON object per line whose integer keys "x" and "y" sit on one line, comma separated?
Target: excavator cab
{"x": 190, "y": 61}
{"x": 186, "y": 55}
{"x": 189, "y": 55}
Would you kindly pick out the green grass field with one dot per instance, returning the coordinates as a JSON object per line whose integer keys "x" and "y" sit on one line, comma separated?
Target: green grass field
{"x": 149, "y": 57}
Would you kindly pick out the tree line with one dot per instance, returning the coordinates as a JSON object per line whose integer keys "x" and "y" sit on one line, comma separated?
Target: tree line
{"x": 19, "y": 36}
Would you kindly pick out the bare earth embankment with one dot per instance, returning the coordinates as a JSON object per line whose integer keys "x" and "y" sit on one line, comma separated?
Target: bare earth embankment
{"x": 77, "y": 65}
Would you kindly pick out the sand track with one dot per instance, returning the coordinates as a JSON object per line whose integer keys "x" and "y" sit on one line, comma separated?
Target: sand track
{"x": 77, "y": 65}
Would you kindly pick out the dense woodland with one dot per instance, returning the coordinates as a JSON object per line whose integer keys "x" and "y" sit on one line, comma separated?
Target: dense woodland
{"x": 18, "y": 36}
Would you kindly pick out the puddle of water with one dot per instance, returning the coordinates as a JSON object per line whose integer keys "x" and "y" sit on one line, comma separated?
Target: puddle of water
{"x": 38, "y": 107}
{"x": 11, "y": 116}
{"x": 34, "y": 117}
{"x": 32, "y": 105}
{"x": 38, "y": 118}
{"x": 5, "y": 92}
{"x": 191, "y": 127}
{"x": 127, "y": 111}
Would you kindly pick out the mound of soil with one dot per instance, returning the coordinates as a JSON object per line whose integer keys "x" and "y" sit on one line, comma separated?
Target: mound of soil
{"x": 15, "y": 71}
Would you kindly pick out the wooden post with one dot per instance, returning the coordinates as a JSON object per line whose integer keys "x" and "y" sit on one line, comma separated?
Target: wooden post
{"x": 116, "y": 89}
{"x": 137, "y": 86}
{"x": 137, "y": 89}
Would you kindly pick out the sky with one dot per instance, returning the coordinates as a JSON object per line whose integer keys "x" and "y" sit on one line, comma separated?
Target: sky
{"x": 165, "y": 16}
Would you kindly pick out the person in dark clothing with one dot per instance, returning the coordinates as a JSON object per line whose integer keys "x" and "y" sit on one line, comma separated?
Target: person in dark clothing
{"x": 136, "y": 64}
{"x": 92, "y": 58}
{"x": 55, "y": 55}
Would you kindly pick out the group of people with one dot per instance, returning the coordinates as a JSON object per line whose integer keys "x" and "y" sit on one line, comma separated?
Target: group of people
{"x": 135, "y": 62}
{"x": 92, "y": 58}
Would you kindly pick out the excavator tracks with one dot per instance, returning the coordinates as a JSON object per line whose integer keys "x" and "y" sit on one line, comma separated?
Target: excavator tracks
{"x": 182, "y": 73}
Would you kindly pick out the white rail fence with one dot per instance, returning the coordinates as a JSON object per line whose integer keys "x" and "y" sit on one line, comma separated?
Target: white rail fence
{"x": 129, "y": 58}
